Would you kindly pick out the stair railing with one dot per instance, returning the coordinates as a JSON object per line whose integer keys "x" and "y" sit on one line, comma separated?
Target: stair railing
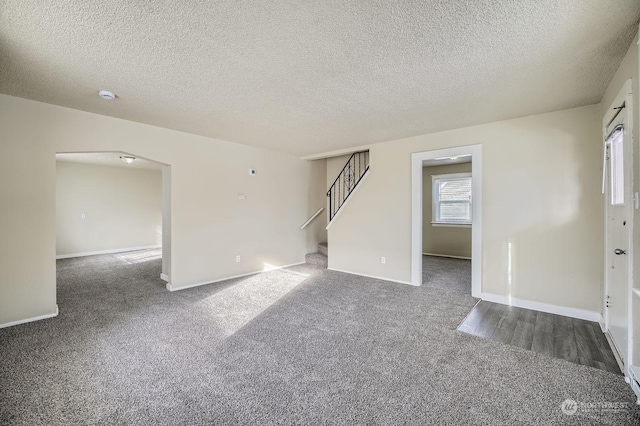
{"x": 313, "y": 216}
{"x": 347, "y": 180}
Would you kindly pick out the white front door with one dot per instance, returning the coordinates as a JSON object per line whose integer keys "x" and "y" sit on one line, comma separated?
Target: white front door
{"x": 618, "y": 238}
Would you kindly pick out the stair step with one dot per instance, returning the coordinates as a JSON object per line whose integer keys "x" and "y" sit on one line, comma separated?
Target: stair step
{"x": 317, "y": 259}
{"x": 323, "y": 248}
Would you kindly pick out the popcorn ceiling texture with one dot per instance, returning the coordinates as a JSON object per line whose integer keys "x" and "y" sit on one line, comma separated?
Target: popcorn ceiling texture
{"x": 307, "y": 77}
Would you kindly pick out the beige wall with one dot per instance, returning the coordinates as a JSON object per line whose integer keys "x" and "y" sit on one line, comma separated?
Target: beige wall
{"x": 122, "y": 207}
{"x": 210, "y": 226}
{"x": 444, "y": 240}
{"x": 541, "y": 195}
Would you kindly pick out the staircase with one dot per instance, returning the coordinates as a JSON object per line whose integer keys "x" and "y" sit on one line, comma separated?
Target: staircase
{"x": 350, "y": 176}
{"x": 319, "y": 258}
{"x": 348, "y": 179}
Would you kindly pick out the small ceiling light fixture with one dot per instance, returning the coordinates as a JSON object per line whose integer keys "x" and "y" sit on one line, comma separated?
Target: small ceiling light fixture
{"x": 127, "y": 159}
{"x": 105, "y": 94}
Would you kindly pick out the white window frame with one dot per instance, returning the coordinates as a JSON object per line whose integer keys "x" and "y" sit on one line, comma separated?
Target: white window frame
{"x": 435, "y": 202}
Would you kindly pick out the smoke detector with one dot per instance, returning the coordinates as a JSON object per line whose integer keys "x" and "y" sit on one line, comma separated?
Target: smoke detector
{"x": 105, "y": 94}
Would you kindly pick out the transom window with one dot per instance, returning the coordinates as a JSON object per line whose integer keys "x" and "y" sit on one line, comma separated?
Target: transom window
{"x": 452, "y": 199}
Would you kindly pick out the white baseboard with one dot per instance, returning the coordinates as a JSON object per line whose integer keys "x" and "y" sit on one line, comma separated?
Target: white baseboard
{"x": 602, "y": 325}
{"x": 371, "y": 276}
{"x": 24, "y": 321}
{"x": 275, "y": 268}
{"x": 93, "y": 253}
{"x": 446, "y": 255}
{"x": 543, "y": 307}
{"x": 164, "y": 277}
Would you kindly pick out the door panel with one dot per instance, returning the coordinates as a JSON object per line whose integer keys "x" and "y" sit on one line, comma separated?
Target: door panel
{"x": 618, "y": 213}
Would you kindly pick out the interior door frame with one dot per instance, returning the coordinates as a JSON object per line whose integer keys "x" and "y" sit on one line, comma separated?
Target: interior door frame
{"x": 417, "y": 163}
{"x": 625, "y": 98}
{"x": 165, "y": 275}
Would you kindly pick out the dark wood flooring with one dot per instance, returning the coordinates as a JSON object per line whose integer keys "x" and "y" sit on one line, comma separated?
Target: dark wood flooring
{"x": 574, "y": 340}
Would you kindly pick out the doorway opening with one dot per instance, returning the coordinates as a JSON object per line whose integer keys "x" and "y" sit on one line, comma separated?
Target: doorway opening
{"x": 449, "y": 209}
{"x": 446, "y": 223}
{"x": 112, "y": 209}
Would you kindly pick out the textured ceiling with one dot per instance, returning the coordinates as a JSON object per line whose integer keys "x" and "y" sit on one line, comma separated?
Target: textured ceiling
{"x": 110, "y": 159}
{"x": 307, "y": 77}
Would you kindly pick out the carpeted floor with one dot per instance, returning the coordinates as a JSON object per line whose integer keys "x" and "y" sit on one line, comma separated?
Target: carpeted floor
{"x": 446, "y": 273}
{"x": 297, "y": 346}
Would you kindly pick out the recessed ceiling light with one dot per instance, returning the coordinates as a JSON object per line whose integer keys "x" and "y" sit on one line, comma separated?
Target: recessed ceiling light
{"x": 105, "y": 94}
{"x": 127, "y": 159}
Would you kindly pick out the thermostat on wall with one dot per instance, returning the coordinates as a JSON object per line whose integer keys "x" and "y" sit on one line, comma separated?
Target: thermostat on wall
{"x": 252, "y": 172}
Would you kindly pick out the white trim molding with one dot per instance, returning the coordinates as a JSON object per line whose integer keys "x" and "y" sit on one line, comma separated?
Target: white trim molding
{"x": 164, "y": 277}
{"x": 446, "y": 255}
{"x": 93, "y": 253}
{"x": 369, "y": 276}
{"x": 451, "y": 225}
{"x": 274, "y": 268}
{"x": 26, "y": 320}
{"x": 543, "y": 307}
{"x": 417, "y": 163}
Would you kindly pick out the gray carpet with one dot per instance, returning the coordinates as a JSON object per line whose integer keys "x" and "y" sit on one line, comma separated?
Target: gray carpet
{"x": 446, "y": 273}
{"x": 297, "y": 346}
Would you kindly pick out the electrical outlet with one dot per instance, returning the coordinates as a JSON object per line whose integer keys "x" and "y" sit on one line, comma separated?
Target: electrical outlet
{"x": 237, "y": 259}
{"x": 383, "y": 260}
{"x": 83, "y": 216}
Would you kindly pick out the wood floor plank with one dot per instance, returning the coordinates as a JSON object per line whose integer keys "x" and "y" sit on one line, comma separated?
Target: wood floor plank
{"x": 490, "y": 321}
{"x": 528, "y": 316}
{"x": 522, "y": 335}
{"x": 564, "y": 340}
{"x": 509, "y": 318}
{"x": 586, "y": 341}
{"x": 544, "y": 322}
{"x": 609, "y": 359}
{"x": 475, "y": 317}
{"x": 542, "y": 342}
{"x": 502, "y": 335}
{"x": 574, "y": 340}
{"x": 592, "y": 363}
{"x": 613, "y": 367}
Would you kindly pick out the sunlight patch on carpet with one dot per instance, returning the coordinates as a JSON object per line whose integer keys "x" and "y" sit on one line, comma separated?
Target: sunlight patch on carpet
{"x": 235, "y": 306}
{"x": 134, "y": 257}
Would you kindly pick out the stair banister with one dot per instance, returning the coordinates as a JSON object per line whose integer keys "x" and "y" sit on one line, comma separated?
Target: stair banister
{"x": 347, "y": 180}
{"x": 304, "y": 225}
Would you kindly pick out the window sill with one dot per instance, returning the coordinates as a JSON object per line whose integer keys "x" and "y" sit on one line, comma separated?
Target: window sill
{"x": 451, "y": 225}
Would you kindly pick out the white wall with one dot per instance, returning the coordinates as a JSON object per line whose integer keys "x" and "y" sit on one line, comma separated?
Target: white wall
{"x": 541, "y": 194}
{"x": 209, "y": 225}
{"x": 444, "y": 240}
{"x": 122, "y": 208}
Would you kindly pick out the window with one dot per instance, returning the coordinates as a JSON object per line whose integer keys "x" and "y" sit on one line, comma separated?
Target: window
{"x": 452, "y": 199}
{"x": 616, "y": 147}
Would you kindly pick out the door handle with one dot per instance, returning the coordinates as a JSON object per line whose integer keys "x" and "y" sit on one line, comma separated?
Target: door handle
{"x": 619, "y": 252}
